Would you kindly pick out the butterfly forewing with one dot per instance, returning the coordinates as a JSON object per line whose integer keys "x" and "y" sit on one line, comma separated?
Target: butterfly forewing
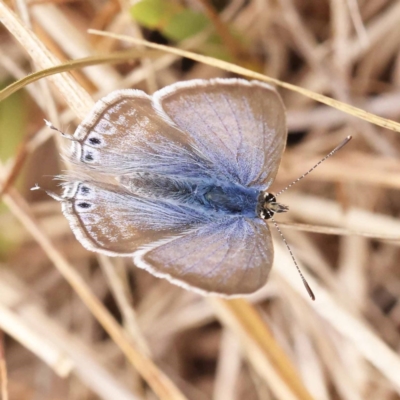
{"x": 240, "y": 125}
{"x": 125, "y": 135}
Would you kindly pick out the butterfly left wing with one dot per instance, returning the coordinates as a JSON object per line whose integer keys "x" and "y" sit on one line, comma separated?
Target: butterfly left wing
{"x": 229, "y": 257}
{"x": 230, "y": 129}
{"x": 124, "y": 135}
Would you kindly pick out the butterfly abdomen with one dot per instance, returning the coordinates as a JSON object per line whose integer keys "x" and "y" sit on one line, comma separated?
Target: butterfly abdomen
{"x": 208, "y": 195}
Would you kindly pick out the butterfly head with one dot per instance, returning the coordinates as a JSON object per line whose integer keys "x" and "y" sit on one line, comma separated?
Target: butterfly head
{"x": 267, "y": 206}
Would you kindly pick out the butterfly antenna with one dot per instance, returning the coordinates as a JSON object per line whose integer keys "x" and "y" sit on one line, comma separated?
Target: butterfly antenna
{"x": 305, "y": 283}
{"x": 66, "y": 135}
{"x": 342, "y": 144}
{"x": 51, "y": 194}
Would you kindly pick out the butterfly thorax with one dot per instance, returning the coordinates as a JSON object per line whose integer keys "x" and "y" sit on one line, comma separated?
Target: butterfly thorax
{"x": 267, "y": 206}
{"x": 228, "y": 198}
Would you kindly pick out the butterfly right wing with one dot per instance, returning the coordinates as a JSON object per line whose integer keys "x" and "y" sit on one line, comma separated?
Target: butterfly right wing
{"x": 229, "y": 257}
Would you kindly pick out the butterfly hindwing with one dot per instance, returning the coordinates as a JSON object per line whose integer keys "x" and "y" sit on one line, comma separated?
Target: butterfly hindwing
{"x": 231, "y": 256}
{"x": 110, "y": 219}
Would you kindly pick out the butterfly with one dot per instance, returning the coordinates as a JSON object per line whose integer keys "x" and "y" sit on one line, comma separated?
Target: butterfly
{"x": 178, "y": 181}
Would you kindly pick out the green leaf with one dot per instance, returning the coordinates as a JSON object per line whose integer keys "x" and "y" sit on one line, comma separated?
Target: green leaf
{"x": 154, "y": 14}
{"x": 185, "y": 24}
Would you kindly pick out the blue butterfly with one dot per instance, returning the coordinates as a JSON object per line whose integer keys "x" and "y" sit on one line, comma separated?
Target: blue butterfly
{"x": 178, "y": 181}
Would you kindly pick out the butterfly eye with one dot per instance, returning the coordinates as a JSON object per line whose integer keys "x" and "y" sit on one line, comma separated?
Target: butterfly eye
{"x": 266, "y": 214}
{"x": 269, "y": 198}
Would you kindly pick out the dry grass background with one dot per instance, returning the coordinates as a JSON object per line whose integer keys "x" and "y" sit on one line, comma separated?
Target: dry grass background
{"x": 80, "y": 326}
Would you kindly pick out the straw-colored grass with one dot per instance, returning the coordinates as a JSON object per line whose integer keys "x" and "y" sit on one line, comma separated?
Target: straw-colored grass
{"x": 81, "y": 326}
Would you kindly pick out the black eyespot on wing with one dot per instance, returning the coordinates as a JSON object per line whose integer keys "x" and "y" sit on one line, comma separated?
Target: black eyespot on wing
{"x": 84, "y": 205}
{"x": 94, "y": 140}
{"x": 89, "y": 157}
{"x": 84, "y": 190}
